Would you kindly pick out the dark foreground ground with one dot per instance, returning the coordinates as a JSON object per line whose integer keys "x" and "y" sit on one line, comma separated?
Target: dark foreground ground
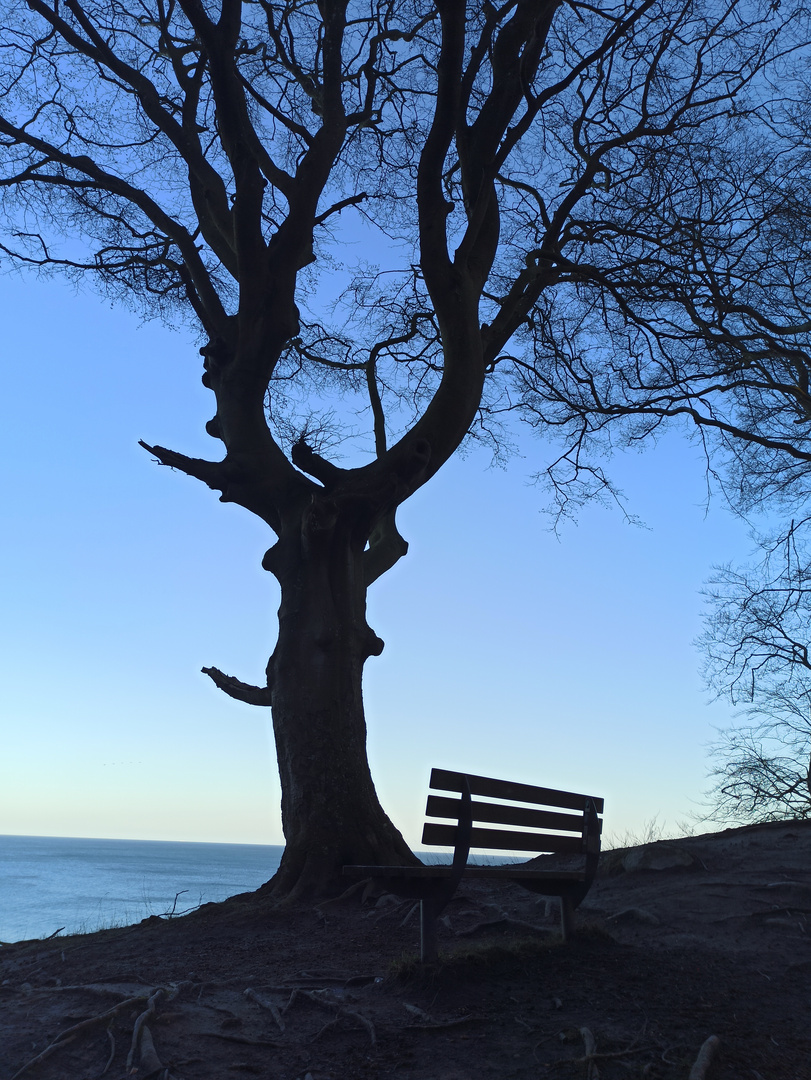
{"x": 706, "y": 936}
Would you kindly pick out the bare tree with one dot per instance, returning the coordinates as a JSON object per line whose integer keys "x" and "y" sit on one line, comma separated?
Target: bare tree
{"x": 761, "y": 770}
{"x": 757, "y": 647}
{"x": 556, "y": 185}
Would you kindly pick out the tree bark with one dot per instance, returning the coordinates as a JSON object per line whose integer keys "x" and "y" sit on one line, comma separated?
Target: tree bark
{"x": 331, "y": 815}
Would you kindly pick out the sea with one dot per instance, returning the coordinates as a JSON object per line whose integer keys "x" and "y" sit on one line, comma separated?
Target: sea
{"x": 53, "y": 885}
{"x": 66, "y": 885}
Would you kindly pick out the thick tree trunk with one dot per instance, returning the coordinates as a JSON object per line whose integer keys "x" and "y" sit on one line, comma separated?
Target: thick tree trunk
{"x": 330, "y": 811}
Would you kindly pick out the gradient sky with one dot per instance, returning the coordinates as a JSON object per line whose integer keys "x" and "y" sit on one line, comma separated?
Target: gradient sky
{"x": 566, "y": 662}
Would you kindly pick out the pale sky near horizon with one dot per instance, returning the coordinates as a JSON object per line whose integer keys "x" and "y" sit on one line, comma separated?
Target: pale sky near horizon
{"x": 565, "y": 662}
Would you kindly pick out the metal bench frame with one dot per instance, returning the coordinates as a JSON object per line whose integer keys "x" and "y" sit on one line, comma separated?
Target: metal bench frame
{"x": 572, "y": 834}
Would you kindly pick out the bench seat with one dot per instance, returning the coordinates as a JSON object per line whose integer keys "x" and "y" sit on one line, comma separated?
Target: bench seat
{"x": 521, "y": 874}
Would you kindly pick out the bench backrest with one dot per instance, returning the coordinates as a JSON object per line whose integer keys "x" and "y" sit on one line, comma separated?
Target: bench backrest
{"x": 573, "y": 833}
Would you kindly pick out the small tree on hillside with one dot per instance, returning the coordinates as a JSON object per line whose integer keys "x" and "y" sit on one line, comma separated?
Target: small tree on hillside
{"x": 552, "y": 183}
{"x": 757, "y": 646}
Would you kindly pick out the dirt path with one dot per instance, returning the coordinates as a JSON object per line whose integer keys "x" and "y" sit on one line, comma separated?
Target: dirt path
{"x": 706, "y": 936}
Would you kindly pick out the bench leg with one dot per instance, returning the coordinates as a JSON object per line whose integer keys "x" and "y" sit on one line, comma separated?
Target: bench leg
{"x": 428, "y": 948}
{"x": 566, "y": 917}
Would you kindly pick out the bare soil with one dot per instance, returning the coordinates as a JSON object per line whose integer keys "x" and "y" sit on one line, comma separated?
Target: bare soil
{"x": 677, "y": 941}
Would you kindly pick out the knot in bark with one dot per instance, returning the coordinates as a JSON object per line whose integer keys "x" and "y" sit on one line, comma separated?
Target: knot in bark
{"x": 271, "y": 560}
{"x": 215, "y": 353}
{"x": 374, "y": 644}
{"x": 416, "y": 462}
{"x": 320, "y": 518}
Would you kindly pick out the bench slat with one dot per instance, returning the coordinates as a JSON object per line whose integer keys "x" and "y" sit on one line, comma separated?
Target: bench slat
{"x": 502, "y": 840}
{"x": 508, "y": 872}
{"x": 498, "y": 813}
{"x": 445, "y": 780}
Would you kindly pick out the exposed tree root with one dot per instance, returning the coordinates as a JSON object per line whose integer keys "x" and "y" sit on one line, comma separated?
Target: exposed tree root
{"x": 410, "y": 914}
{"x": 367, "y": 1023}
{"x": 355, "y": 887}
{"x": 63, "y": 1040}
{"x": 352, "y": 1015}
{"x": 241, "y": 1039}
{"x": 148, "y": 1061}
{"x": 69, "y": 1034}
{"x": 635, "y": 914}
{"x": 591, "y": 1055}
{"x": 140, "y": 1027}
{"x": 505, "y": 923}
{"x": 265, "y": 1003}
{"x": 415, "y": 1010}
{"x": 429, "y": 1023}
{"x": 436, "y": 1025}
{"x": 319, "y": 998}
{"x": 704, "y": 1059}
{"x": 307, "y": 980}
{"x": 590, "y": 1045}
{"x": 90, "y": 988}
{"x": 111, "y": 1037}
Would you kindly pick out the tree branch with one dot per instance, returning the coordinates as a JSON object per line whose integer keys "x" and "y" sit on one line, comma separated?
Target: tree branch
{"x": 240, "y": 691}
{"x": 305, "y": 458}
{"x": 212, "y": 473}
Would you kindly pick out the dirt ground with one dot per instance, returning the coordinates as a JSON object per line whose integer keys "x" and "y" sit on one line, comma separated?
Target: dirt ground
{"x": 677, "y": 942}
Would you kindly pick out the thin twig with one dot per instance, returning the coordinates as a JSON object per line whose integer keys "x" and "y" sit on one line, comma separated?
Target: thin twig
{"x": 172, "y": 912}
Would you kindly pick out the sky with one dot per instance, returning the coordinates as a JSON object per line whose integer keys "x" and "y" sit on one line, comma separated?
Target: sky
{"x": 566, "y": 661}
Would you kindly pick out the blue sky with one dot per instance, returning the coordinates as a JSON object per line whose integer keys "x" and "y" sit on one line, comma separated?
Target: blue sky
{"x": 566, "y": 662}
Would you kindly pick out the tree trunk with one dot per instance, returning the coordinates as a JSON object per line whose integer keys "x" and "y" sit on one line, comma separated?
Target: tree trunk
{"x": 331, "y": 815}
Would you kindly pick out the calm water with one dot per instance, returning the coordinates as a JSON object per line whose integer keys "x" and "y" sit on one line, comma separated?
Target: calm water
{"x": 48, "y": 882}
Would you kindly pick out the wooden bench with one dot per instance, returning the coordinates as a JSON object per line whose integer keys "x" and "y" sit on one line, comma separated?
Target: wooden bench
{"x": 575, "y": 833}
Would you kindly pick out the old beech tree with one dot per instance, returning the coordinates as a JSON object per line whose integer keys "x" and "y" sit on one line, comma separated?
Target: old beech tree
{"x": 523, "y": 170}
